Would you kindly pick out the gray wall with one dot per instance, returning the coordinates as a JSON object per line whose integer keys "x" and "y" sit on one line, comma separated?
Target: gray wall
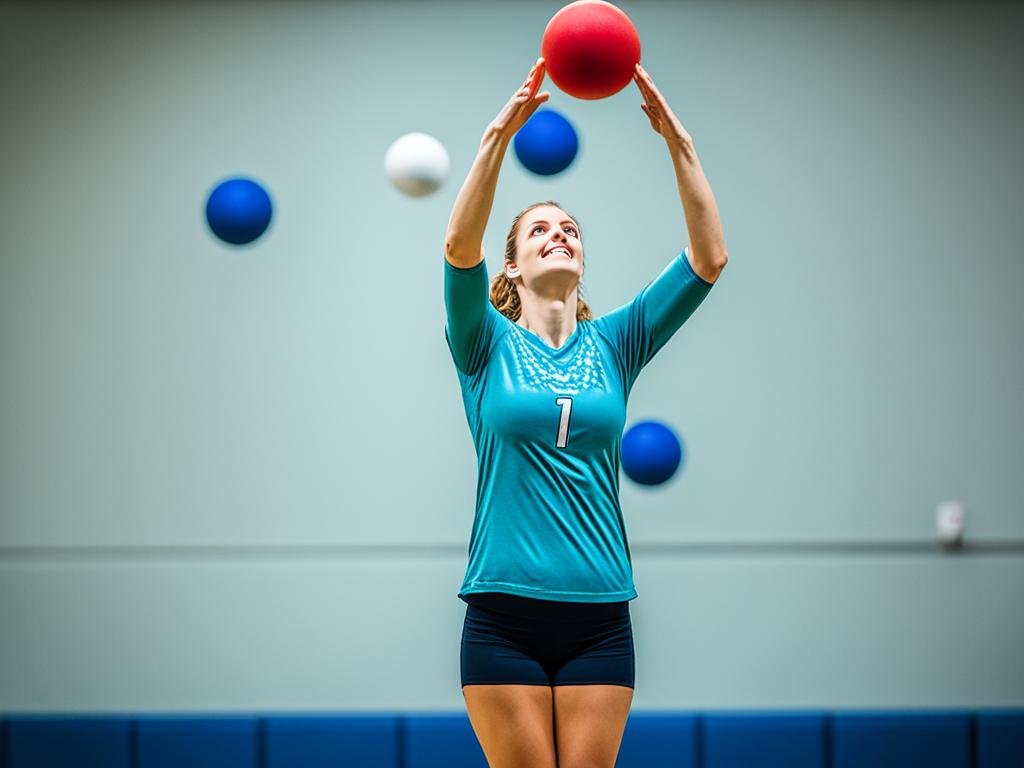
{"x": 242, "y": 478}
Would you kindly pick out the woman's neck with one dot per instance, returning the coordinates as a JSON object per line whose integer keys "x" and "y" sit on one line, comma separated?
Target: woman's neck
{"x": 553, "y": 320}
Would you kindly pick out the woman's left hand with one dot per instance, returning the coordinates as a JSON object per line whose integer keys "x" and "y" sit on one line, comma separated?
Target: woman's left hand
{"x": 663, "y": 120}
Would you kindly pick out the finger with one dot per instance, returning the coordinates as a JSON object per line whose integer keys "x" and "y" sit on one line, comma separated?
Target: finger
{"x": 645, "y": 80}
{"x": 522, "y": 96}
{"x": 538, "y": 78}
{"x": 645, "y": 89}
{"x": 530, "y": 108}
{"x": 536, "y": 85}
{"x": 656, "y": 95}
{"x": 527, "y": 102}
{"x": 654, "y": 98}
{"x": 536, "y": 102}
{"x": 532, "y": 74}
{"x": 654, "y": 123}
{"x": 646, "y": 84}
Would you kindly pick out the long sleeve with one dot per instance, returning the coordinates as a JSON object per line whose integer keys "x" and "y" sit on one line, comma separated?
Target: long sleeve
{"x": 643, "y": 326}
{"x": 472, "y": 323}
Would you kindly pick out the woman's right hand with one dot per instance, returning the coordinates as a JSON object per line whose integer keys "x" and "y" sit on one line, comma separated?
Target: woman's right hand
{"x": 522, "y": 105}
{"x": 463, "y": 245}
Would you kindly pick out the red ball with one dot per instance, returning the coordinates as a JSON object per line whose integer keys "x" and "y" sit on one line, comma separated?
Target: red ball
{"x": 590, "y": 49}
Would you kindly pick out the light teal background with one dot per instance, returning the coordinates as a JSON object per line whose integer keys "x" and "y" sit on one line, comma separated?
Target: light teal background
{"x": 242, "y": 477}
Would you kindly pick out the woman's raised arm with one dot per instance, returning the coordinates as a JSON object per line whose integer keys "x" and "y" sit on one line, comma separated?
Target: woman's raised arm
{"x": 707, "y": 252}
{"x": 463, "y": 245}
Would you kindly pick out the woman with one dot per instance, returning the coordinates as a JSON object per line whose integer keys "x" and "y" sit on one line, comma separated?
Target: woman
{"x": 547, "y": 645}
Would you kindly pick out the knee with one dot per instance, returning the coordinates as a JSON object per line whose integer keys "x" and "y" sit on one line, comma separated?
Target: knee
{"x": 584, "y": 761}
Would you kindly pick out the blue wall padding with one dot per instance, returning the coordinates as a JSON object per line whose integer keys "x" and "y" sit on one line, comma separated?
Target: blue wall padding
{"x": 441, "y": 741}
{"x": 366, "y": 741}
{"x": 1000, "y": 740}
{"x": 197, "y": 742}
{"x": 59, "y": 742}
{"x": 659, "y": 741}
{"x": 764, "y": 740}
{"x": 900, "y": 739}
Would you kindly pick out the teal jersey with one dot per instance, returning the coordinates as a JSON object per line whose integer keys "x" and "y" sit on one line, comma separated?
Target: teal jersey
{"x": 547, "y": 426}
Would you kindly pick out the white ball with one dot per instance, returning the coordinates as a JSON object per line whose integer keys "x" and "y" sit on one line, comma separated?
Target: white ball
{"x": 417, "y": 164}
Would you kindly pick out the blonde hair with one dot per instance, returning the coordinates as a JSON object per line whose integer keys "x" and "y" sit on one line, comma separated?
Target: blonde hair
{"x": 505, "y": 295}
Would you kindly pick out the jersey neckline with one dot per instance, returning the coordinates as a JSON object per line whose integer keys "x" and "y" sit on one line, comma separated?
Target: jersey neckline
{"x": 537, "y": 341}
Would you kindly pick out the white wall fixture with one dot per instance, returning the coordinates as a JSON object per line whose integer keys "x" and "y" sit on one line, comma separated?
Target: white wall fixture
{"x": 950, "y": 521}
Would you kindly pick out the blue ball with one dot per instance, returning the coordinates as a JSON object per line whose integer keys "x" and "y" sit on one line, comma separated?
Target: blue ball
{"x": 547, "y": 143}
{"x": 651, "y": 453}
{"x": 238, "y": 211}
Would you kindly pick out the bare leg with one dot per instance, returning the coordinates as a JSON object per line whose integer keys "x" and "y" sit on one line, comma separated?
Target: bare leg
{"x": 513, "y": 723}
{"x": 589, "y": 721}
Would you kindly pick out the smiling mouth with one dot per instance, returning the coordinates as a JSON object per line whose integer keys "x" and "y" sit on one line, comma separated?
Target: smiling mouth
{"x": 553, "y": 251}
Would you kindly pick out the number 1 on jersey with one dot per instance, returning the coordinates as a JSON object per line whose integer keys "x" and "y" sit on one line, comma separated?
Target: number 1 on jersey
{"x": 563, "y": 422}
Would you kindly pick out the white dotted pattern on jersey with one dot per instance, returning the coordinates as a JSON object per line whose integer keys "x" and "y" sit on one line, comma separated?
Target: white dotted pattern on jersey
{"x": 583, "y": 371}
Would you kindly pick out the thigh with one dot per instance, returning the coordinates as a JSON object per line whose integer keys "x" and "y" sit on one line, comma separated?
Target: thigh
{"x": 589, "y": 722}
{"x": 513, "y": 723}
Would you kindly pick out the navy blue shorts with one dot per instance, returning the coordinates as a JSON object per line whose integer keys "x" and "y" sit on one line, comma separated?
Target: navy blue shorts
{"x": 511, "y": 640}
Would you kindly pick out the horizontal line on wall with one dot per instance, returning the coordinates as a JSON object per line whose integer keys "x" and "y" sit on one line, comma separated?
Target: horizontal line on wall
{"x": 442, "y": 550}
{"x": 1003, "y": 546}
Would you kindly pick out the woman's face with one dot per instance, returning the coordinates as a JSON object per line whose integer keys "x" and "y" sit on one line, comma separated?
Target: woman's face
{"x": 548, "y": 249}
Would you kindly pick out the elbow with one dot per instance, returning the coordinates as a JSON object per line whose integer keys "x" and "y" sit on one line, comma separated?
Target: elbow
{"x": 711, "y": 268}
{"x": 718, "y": 265}
{"x": 453, "y": 247}
{"x": 458, "y": 253}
